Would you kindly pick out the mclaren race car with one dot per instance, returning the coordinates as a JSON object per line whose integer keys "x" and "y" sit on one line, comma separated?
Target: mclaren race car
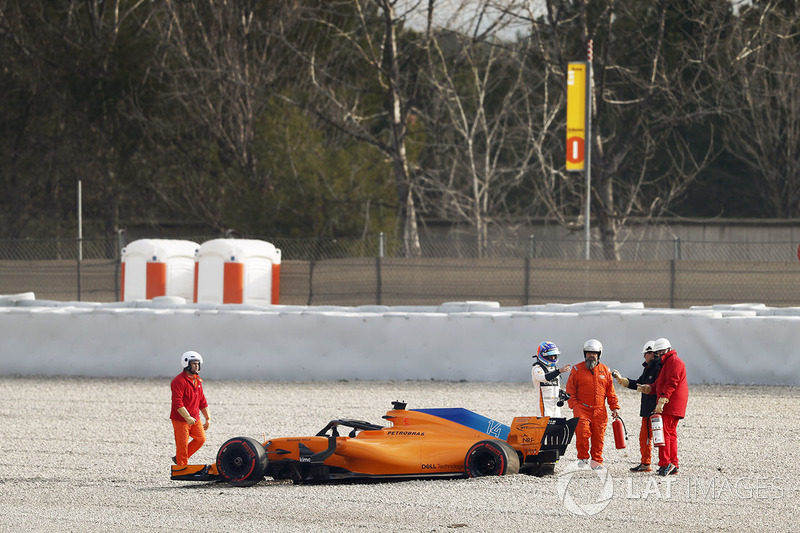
{"x": 417, "y": 443}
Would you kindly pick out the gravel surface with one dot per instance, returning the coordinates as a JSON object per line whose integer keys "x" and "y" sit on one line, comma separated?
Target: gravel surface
{"x": 81, "y": 454}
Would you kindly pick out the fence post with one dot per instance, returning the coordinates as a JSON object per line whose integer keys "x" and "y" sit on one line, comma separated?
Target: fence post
{"x": 311, "y": 281}
{"x": 80, "y": 236}
{"x": 531, "y": 255}
{"x": 527, "y": 267}
{"x": 117, "y": 271}
{"x": 672, "y": 284}
{"x": 378, "y": 280}
{"x": 676, "y": 256}
{"x": 78, "y": 257}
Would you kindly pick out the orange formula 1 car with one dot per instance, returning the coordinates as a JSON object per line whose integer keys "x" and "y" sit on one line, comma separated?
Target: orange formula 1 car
{"x": 418, "y": 443}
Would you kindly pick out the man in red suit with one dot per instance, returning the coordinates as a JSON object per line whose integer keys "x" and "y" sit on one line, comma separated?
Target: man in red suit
{"x": 188, "y": 401}
{"x": 672, "y": 393}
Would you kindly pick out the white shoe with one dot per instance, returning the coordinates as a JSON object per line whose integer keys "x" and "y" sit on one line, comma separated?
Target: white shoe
{"x": 583, "y": 464}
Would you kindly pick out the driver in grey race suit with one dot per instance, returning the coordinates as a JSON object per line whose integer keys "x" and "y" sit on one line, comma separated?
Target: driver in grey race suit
{"x": 545, "y": 375}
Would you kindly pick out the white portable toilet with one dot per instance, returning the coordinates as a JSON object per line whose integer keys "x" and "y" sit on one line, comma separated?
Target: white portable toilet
{"x": 237, "y": 271}
{"x": 158, "y": 267}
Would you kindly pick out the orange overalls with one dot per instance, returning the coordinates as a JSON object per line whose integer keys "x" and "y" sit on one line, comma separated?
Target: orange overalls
{"x": 184, "y": 448}
{"x": 588, "y": 390}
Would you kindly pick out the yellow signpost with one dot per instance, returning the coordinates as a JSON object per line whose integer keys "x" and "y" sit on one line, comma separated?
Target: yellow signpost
{"x": 576, "y": 116}
{"x": 579, "y": 127}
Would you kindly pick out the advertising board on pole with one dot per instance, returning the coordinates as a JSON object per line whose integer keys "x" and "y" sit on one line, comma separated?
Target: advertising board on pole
{"x": 576, "y": 115}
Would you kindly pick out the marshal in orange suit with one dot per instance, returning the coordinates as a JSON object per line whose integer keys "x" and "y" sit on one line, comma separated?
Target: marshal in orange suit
{"x": 590, "y": 385}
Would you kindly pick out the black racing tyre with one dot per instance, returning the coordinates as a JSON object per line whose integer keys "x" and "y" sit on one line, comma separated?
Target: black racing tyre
{"x": 242, "y": 461}
{"x": 491, "y": 458}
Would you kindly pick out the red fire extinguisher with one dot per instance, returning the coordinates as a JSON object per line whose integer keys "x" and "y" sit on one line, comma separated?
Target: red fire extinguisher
{"x": 620, "y": 434}
{"x": 657, "y": 425}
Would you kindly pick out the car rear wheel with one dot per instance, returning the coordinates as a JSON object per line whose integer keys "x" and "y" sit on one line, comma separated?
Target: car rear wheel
{"x": 491, "y": 458}
{"x": 242, "y": 461}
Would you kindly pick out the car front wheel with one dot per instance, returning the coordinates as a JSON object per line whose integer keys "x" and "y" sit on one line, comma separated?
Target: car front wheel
{"x": 242, "y": 461}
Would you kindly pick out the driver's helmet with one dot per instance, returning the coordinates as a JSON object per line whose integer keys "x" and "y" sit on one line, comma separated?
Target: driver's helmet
{"x": 190, "y": 356}
{"x": 548, "y": 353}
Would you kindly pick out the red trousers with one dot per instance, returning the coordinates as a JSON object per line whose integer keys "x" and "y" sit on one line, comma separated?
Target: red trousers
{"x": 184, "y": 448}
{"x": 669, "y": 452}
{"x": 646, "y": 441}
{"x": 592, "y": 426}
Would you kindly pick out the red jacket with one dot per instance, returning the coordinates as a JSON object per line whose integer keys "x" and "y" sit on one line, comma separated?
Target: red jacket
{"x": 591, "y": 388}
{"x": 187, "y": 392}
{"x": 671, "y": 384}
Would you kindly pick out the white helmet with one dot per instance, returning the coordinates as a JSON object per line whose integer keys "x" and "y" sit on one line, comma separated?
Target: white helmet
{"x": 648, "y": 346}
{"x": 661, "y": 344}
{"x": 593, "y": 345}
{"x": 189, "y": 356}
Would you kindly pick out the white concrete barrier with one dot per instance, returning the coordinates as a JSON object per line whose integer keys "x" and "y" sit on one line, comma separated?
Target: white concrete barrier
{"x": 473, "y": 341}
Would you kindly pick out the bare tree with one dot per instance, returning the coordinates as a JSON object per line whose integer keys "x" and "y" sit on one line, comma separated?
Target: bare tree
{"x": 650, "y": 96}
{"x": 762, "y": 119}
{"x": 69, "y": 62}
{"x": 357, "y": 84}
{"x": 218, "y": 67}
{"x": 482, "y": 141}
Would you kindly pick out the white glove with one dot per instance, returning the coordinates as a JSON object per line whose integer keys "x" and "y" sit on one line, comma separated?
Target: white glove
{"x": 660, "y": 405}
{"x": 622, "y": 381}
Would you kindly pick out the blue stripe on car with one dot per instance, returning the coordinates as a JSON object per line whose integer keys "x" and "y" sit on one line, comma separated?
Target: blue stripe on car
{"x": 468, "y": 418}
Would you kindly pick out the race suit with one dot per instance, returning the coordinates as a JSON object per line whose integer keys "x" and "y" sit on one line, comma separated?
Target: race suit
{"x": 648, "y": 404}
{"x": 187, "y": 391}
{"x": 589, "y": 390}
{"x": 546, "y": 382}
{"x": 671, "y": 384}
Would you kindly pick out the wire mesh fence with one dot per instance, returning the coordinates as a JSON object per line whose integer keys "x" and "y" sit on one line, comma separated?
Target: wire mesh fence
{"x": 373, "y": 271}
{"x": 536, "y": 248}
{"x": 58, "y": 249}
